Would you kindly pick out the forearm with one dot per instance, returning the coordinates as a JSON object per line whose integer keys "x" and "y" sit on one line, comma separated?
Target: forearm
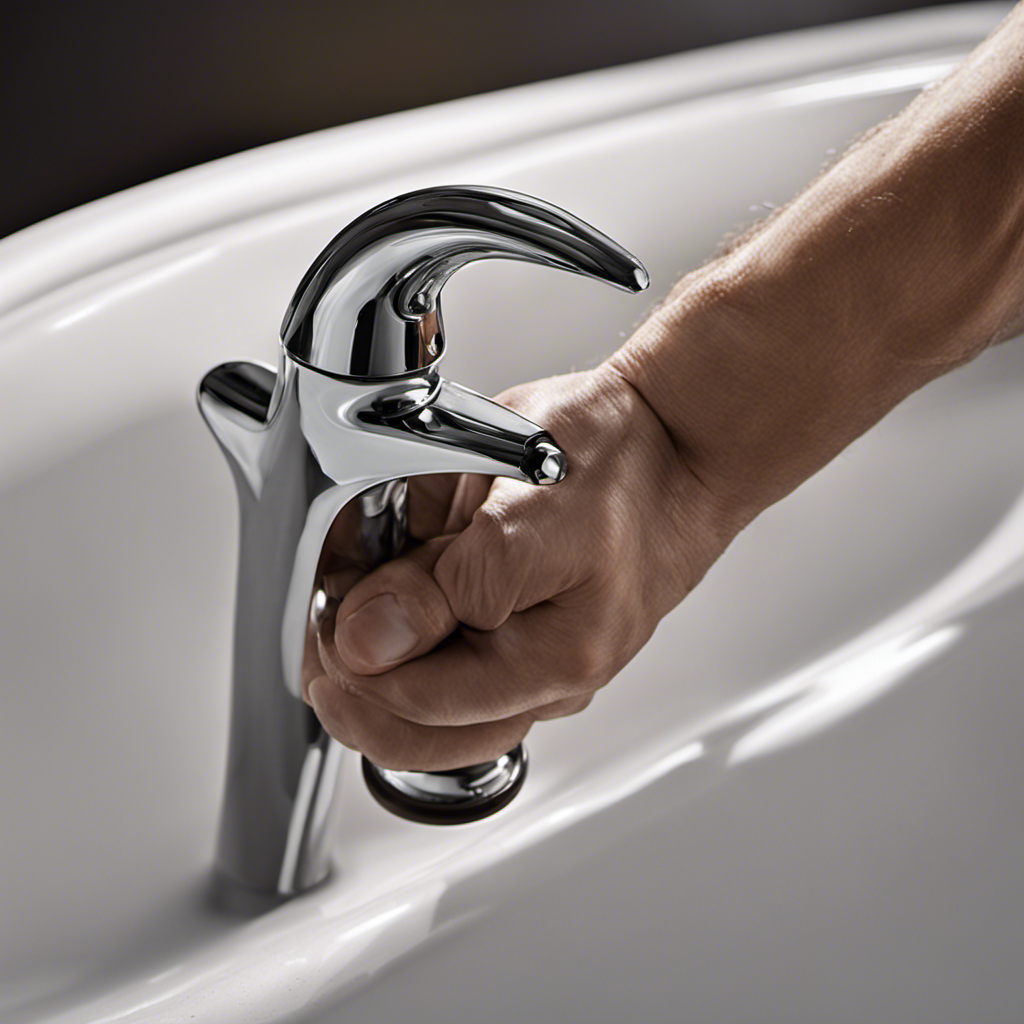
{"x": 902, "y": 261}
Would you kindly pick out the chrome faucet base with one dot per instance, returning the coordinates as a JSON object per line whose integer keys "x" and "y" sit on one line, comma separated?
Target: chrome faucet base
{"x": 454, "y": 797}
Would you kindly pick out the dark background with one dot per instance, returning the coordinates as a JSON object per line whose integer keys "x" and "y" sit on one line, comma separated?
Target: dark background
{"x": 100, "y": 96}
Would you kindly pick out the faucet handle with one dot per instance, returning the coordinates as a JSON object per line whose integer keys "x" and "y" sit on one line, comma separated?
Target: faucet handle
{"x": 369, "y": 304}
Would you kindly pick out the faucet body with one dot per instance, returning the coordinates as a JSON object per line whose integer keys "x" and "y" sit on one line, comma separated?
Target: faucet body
{"x": 325, "y": 444}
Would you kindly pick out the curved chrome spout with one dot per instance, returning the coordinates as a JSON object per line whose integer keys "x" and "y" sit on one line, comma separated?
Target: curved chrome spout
{"x": 369, "y": 306}
{"x": 323, "y": 448}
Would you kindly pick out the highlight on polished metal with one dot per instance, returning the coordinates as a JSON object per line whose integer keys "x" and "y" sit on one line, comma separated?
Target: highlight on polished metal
{"x": 370, "y": 304}
{"x": 452, "y": 797}
{"x": 320, "y": 452}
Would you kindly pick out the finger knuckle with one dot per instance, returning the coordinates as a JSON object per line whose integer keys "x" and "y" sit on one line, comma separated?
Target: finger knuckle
{"x": 422, "y": 599}
{"x": 473, "y": 572}
{"x": 574, "y": 707}
{"x": 517, "y": 732}
{"x": 563, "y": 708}
{"x": 586, "y": 663}
{"x": 585, "y": 666}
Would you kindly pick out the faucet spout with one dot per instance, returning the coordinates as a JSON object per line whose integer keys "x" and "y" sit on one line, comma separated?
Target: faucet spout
{"x": 369, "y": 305}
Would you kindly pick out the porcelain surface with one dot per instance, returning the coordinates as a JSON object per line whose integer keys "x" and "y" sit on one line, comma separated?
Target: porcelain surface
{"x": 800, "y": 802}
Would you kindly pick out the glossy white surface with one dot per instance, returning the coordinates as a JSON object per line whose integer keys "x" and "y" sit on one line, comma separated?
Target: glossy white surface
{"x": 801, "y": 795}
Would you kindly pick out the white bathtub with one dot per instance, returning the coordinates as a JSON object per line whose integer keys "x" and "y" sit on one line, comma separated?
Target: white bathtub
{"x": 799, "y": 803}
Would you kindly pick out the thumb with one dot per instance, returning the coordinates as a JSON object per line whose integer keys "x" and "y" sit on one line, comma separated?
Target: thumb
{"x": 502, "y": 562}
{"x": 395, "y": 613}
{"x": 499, "y": 564}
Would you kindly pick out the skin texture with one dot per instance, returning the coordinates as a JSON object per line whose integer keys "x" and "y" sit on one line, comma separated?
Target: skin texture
{"x": 899, "y": 263}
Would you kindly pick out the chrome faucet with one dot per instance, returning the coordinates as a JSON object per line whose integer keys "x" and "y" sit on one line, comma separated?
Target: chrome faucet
{"x": 326, "y": 443}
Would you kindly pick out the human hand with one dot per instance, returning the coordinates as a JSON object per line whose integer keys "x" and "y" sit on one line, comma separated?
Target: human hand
{"x": 519, "y": 602}
{"x": 898, "y": 263}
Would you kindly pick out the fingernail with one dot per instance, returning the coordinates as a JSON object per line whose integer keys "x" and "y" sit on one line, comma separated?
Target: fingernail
{"x": 379, "y": 632}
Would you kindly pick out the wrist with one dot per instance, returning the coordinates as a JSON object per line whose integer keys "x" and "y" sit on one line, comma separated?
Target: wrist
{"x": 757, "y": 389}
{"x": 704, "y": 374}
